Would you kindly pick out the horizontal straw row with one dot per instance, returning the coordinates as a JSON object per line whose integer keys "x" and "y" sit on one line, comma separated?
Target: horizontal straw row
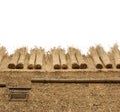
{"x": 97, "y": 58}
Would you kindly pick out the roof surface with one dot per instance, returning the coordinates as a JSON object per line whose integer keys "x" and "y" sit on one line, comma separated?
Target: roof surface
{"x": 57, "y": 59}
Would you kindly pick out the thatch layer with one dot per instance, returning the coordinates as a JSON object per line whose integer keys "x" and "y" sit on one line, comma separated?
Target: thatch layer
{"x": 57, "y": 58}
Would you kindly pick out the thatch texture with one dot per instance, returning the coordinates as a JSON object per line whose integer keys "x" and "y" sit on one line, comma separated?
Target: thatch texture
{"x": 58, "y": 58}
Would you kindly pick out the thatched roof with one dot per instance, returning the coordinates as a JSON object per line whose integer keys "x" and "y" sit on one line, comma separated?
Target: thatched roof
{"x": 57, "y": 58}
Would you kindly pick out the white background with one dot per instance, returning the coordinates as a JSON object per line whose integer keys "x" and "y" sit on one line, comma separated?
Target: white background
{"x": 49, "y": 23}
